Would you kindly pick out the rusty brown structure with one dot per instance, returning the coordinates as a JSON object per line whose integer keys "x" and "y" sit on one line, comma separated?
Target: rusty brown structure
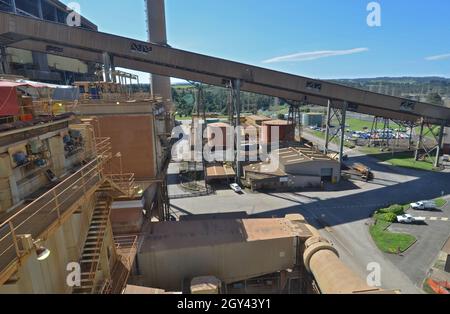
{"x": 27, "y": 33}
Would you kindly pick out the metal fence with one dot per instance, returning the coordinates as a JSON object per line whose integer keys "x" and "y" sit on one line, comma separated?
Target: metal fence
{"x": 49, "y": 209}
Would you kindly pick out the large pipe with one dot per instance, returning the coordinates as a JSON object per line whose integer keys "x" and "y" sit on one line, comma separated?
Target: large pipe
{"x": 331, "y": 274}
{"x": 156, "y": 19}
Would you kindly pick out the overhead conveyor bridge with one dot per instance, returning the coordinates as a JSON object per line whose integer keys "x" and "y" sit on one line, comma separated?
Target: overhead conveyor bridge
{"x": 59, "y": 39}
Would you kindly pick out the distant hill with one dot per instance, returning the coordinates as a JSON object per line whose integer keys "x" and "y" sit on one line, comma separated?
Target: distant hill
{"x": 402, "y": 86}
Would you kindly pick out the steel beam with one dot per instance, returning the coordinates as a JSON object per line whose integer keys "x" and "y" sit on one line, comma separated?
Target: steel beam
{"x": 341, "y": 146}
{"x": 13, "y": 6}
{"x": 420, "y": 140}
{"x": 4, "y": 61}
{"x": 107, "y": 66}
{"x": 439, "y": 147}
{"x": 327, "y": 127}
{"x": 238, "y": 107}
{"x": 40, "y": 11}
{"x": 166, "y": 61}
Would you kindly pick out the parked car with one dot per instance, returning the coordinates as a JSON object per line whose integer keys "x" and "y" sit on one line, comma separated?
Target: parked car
{"x": 235, "y": 187}
{"x": 423, "y": 205}
{"x": 409, "y": 219}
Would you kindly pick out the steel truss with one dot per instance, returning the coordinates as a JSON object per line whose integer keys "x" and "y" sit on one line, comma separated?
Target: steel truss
{"x": 378, "y": 138}
{"x": 340, "y": 115}
{"x": 427, "y": 145}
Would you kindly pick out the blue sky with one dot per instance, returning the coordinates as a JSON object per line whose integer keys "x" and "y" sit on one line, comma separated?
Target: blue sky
{"x": 317, "y": 38}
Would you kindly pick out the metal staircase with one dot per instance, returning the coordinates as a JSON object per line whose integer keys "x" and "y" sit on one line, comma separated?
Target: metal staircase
{"x": 91, "y": 256}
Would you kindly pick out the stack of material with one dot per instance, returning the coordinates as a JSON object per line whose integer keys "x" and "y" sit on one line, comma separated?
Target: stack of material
{"x": 205, "y": 285}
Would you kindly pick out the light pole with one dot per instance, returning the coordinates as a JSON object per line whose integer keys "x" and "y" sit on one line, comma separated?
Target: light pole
{"x": 119, "y": 155}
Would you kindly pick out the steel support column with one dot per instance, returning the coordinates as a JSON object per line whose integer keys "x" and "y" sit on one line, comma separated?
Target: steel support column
{"x": 327, "y": 127}
{"x": 237, "y": 107}
{"x": 113, "y": 71}
{"x": 420, "y": 140}
{"x": 107, "y": 66}
{"x": 13, "y": 6}
{"x": 40, "y": 11}
{"x": 439, "y": 146}
{"x": 343, "y": 120}
{"x": 4, "y": 61}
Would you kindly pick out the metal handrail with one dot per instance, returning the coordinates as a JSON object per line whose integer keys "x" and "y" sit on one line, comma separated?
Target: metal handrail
{"x": 99, "y": 245}
{"x": 57, "y": 198}
{"x": 128, "y": 243}
{"x": 123, "y": 181}
{"x": 45, "y": 107}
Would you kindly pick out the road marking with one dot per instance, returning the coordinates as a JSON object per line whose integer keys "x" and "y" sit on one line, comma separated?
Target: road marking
{"x": 438, "y": 219}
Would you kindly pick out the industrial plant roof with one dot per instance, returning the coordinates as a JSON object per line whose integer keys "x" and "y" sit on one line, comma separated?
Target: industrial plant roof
{"x": 258, "y": 118}
{"x": 276, "y": 122}
{"x": 219, "y": 125}
{"x": 293, "y": 155}
{"x": 219, "y": 171}
{"x": 265, "y": 170}
{"x": 175, "y": 235}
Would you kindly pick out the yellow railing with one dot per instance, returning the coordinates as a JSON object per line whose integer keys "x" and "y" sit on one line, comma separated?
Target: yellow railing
{"x": 48, "y": 107}
{"x": 121, "y": 99}
{"x": 51, "y": 208}
{"x": 125, "y": 182}
{"x": 106, "y": 287}
{"x": 103, "y": 148}
{"x": 126, "y": 247}
{"x": 99, "y": 244}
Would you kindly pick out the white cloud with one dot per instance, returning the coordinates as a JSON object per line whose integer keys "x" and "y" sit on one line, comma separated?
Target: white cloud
{"x": 314, "y": 55}
{"x": 438, "y": 57}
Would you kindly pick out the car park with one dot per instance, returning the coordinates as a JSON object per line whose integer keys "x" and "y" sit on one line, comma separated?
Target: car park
{"x": 236, "y": 188}
{"x": 409, "y": 219}
{"x": 423, "y": 205}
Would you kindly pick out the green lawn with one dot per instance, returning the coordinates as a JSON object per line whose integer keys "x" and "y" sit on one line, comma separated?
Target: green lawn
{"x": 400, "y": 159}
{"x": 180, "y": 118}
{"x": 390, "y": 242}
{"x": 440, "y": 202}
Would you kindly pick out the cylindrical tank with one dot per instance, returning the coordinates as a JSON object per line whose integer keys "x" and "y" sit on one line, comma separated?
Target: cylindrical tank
{"x": 218, "y": 134}
{"x": 286, "y": 131}
{"x": 156, "y": 19}
{"x": 330, "y": 273}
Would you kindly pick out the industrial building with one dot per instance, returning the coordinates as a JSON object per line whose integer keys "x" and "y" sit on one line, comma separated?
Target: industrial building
{"x": 243, "y": 256}
{"x": 277, "y": 131}
{"x": 89, "y": 187}
{"x": 47, "y": 66}
{"x": 56, "y": 195}
{"x": 144, "y": 159}
{"x": 292, "y": 167}
{"x": 312, "y": 119}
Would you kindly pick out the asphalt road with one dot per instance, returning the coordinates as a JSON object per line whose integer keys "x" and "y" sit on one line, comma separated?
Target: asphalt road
{"x": 431, "y": 237}
{"x": 342, "y": 214}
